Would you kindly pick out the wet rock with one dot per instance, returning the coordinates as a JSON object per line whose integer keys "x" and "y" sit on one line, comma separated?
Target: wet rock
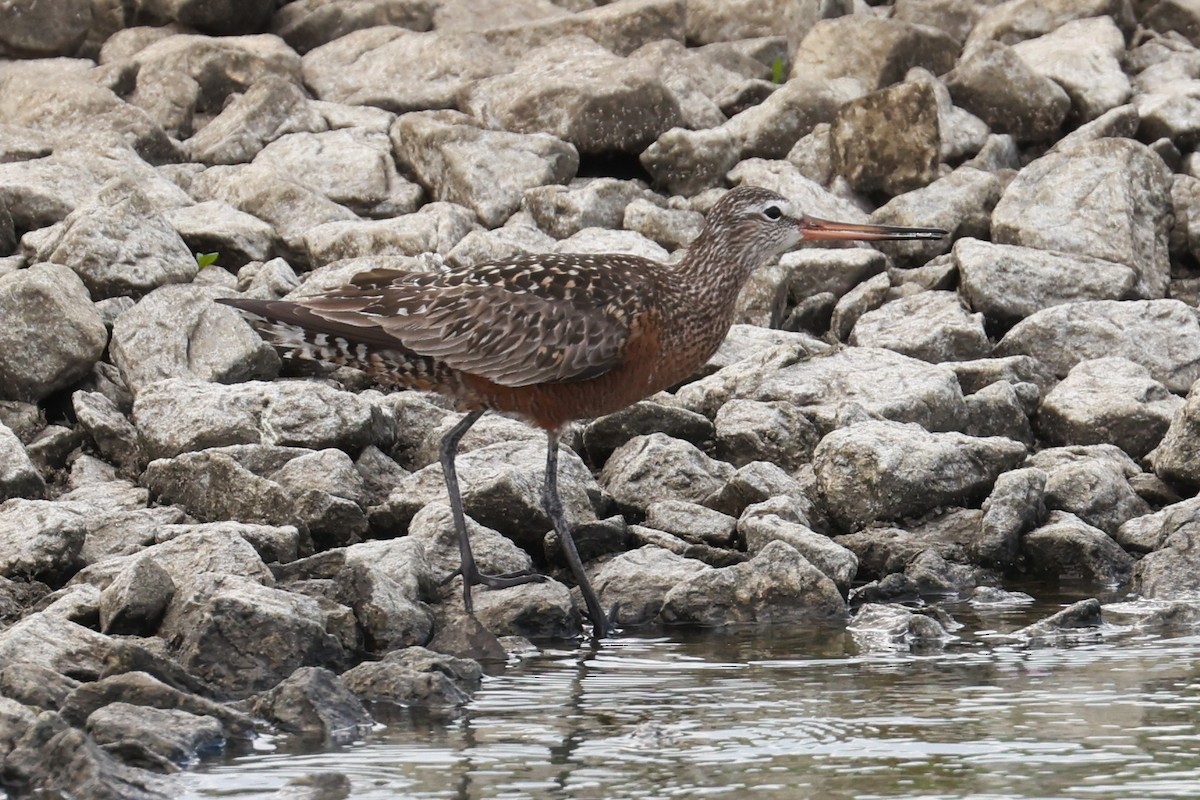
{"x": 876, "y": 51}
{"x": 1170, "y": 572}
{"x": 960, "y": 202}
{"x": 415, "y": 677}
{"x": 691, "y": 522}
{"x": 40, "y": 539}
{"x": 314, "y": 703}
{"x": 1084, "y": 57}
{"x": 242, "y": 636}
{"x": 878, "y": 627}
{"x": 1079, "y": 621}
{"x": 18, "y": 476}
{"x": 1008, "y": 283}
{"x": 993, "y": 82}
{"x": 315, "y": 785}
{"x": 1015, "y": 507}
{"x": 605, "y": 434}
{"x": 136, "y": 599}
{"x": 636, "y": 582}
{"x": 600, "y": 102}
{"x": 398, "y": 69}
{"x": 658, "y": 467}
{"x": 640, "y": 536}
{"x": 52, "y": 757}
{"x": 351, "y": 166}
{"x": 130, "y": 732}
{"x": 539, "y": 610}
{"x": 272, "y": 107}
{"x": 1108, "y": 401}
{"x": 1067, "y": 547}
{"x": 837, "y": 562}
{"x": 57, "y": 643}
{"x": 751, "y": 430}
{"x": 291, "y": 208}
{"x": 889, "y": 140}
{"x": 1110, "y": 198}
{"x": 931, "y": 326}
{"x": 1150, "y": 532}
{"x": 501, "y": 489}
{"x": 777, "y": 585}
{"x": 52, "y": 300}
{"x": 435, "y": 228}
{"x": 1177, "y": 459}
{"x": 178, "y": 332}
{"x": 487, "y": 171}
{"x": 1161, "y": 335}
{"x": 884, "y": 470}
{"x": 178, "y": 416}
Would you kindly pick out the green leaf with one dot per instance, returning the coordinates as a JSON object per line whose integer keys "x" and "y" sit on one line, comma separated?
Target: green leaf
{"x": 777, "y": 71}
{"x": 206, "y": 259}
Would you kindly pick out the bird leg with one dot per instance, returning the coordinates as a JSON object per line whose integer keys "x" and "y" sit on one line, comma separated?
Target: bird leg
{"x": 554, "y": 507}
{"x": 469, "y": 570}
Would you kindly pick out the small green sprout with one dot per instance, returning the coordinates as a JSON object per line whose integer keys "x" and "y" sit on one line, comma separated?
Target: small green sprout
{"x": 777, "y": 71}
{"x": 206, "y": 259}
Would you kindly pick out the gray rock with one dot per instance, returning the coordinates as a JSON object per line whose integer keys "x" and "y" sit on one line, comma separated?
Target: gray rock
{"x": 78, "y": 603}
{"x": 132, "y": 730}
{"x": 40, "y": 539}
{"x": 1027, "y": 19}
{"x": 1108, "y": 401}
{"x": 874, "y": 50}
{"x": 18, "y": 476}
{"x": 1161, "y": 335}
{"x": 275, "y": 544}
{"x": 1008, "y": 283}
{"x": 641, "y": 536}
{"x": 605, "y": 434}
{"x": 314, "y": 703}
{"x": 658, "y": 467}
{"x": 178, "y": 416}
{"x": 216, "y": 227}
{"x": 140, "y": 688}
{"x": 884, "y": 470}
{"x": 291, "y": 208}
{"x": 178, "y": 332}
{"x": 1170, "y": 572}
{"x": 670, "y": 227}
{"x": 1084, "y": 57}
{"x": 307, "y": 24}
{"x": 563, "y": 211}
{"x": 111, "y": 431}
{"x": 1151, "y": 531}
{"x": 386, "y": 610}
{"x": 836, "y": 561}
{"x": 687, "y": 162}
{"x": 751, "y": 430}
{"x": 993, "y": 82}
{"x": 1177, "y": 459}
{"x": 1109, "y": 198}
{"x": 867, "y": 296}
{"x": 242, "y": 636}
{"x": 57, "y": 643}
{"x": 482, "y": 247}
{"x": 52, "y": 29}
{"x": 1081, "y": 621}
{"x": 757, "y": 482}
{"x": 433, "y": 529}
{"x": 219, "y": 19}
{"x": 542, "y": 610}
{"x": 53, "y": 757}
{"x": 416, "y": 677}
{"x": 501, "y": 489}
{"x": 636, "y": 582}
{"x": 436, "y": 227}
{"x": 960, "y": 202}
{"x": 832, "y": 270}
{"x": 398, "y": 69}
{"x": 487, "y": 171}
{"x": 272, "y": 107}
{"x": 880, "y": 627}
{"x": 889, "y": 140}
{"x": 777, "y": 585}
{"x": 1015, "y": 507}
{"x": 120, "y": 532}
{"x": 1185, "y": 199}
{"x": 1067, "y": 547}
{"x": 51, "y": 300}
{"x": 1096, "y": 491}
{"x": 601, "y": 103}
{"x": 351, "y": 166}
{"x": 692, "y": 522}
{"x": 136, "y": 599}
{"x": 931, "y": 326}
{"x": 1002, "y": 409}
{"x": 492, "y": 429}
{"x": 214, "y": 549}
{"x": 34, "y": 685}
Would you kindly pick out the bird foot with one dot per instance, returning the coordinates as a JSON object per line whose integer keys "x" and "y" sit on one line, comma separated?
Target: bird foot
{"x": 607, "y": 625}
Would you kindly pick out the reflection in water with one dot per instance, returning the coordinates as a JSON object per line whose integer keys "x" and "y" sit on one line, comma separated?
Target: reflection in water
{"x": 791, "y": 713}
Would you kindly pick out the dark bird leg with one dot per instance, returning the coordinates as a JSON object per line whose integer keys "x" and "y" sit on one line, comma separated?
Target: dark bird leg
{"x": 554, "y": 507}
{"x": 468, "y": 568}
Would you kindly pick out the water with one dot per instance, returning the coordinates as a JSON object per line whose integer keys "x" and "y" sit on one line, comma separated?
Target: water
{"x": 790, "y": 713}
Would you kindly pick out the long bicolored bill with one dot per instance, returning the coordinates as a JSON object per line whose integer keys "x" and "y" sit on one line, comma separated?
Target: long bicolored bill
{"x": 816, "y": 228}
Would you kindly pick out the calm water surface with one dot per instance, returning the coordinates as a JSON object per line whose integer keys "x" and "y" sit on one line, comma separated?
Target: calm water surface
{"x": 790, "y": 713}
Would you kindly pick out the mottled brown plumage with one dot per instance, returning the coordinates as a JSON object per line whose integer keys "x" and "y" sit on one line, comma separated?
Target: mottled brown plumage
{"x": 549, "y": 338}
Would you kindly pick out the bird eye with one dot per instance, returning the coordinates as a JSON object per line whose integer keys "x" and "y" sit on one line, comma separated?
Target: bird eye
{"x": 772, "y": 212}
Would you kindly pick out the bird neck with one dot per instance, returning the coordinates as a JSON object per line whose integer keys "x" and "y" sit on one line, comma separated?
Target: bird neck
{"x": 714, "y": 270}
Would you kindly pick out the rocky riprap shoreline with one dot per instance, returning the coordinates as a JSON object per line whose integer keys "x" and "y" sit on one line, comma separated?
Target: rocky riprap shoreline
{"x": 192, "y": 551}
